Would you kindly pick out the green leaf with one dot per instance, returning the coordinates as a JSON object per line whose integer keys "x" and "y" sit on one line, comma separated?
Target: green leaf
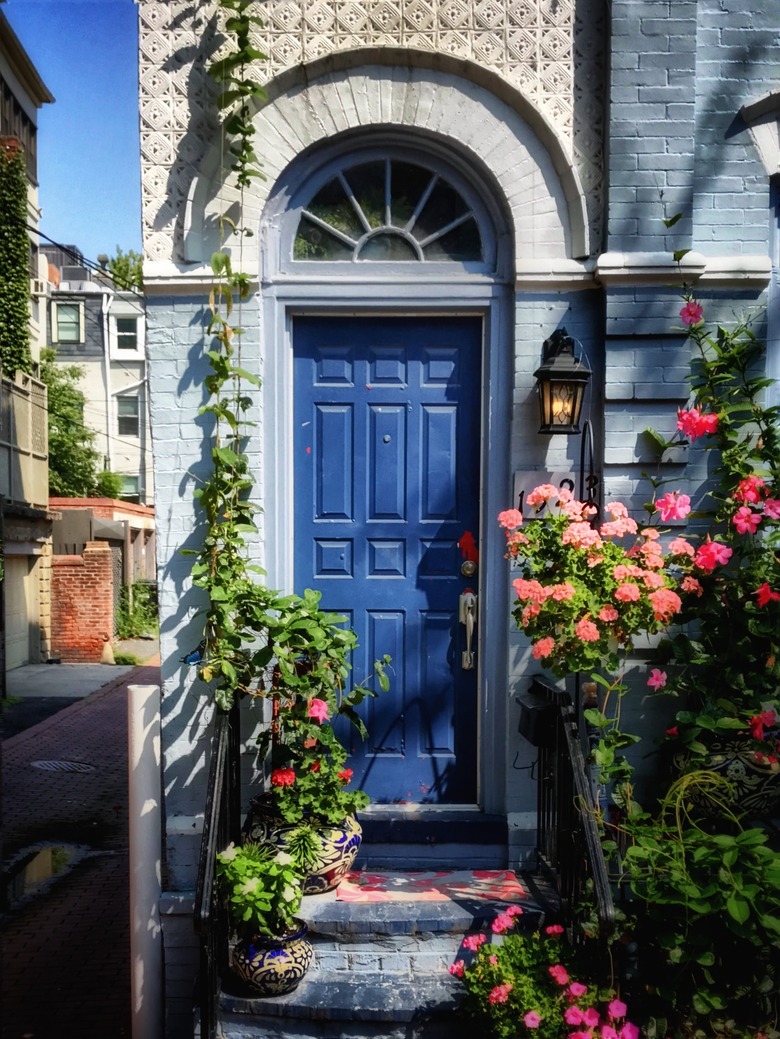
{"x": 678, "y": 254}
{"x": 672, "y": 220}
{"x": 737, "y": 908}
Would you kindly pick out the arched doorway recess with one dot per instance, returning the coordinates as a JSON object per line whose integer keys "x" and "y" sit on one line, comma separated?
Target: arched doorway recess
{"x": 386, "y": 330}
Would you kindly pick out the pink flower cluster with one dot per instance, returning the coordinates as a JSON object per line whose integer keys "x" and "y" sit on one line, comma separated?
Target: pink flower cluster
{"x": 755, "y": 504}
{"x": 573, "y": 1001}
{"x": 568, "y": 565}
{"x": 694, "y": 423}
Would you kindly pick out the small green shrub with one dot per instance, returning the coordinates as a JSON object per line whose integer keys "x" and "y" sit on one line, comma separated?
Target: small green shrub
{"x": 137, "y": 612}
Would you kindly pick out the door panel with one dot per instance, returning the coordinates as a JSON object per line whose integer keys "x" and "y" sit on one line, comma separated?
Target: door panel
{"x": 387, "y": 431}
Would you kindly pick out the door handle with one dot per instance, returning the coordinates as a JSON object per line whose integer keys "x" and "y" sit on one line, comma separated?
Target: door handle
{"x": 467, "y": 614}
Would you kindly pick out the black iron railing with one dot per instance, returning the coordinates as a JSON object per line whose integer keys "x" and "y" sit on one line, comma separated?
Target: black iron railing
{"x": 568, "y": 842}
{"x": 221, "y": 826}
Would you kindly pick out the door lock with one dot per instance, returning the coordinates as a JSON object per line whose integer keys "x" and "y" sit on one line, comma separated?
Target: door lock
{"x": 468, "y": 567}
{"x": 467, "y": 615}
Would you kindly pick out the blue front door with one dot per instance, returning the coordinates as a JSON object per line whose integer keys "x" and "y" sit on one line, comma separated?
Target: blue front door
{"x": 387, "y": 484}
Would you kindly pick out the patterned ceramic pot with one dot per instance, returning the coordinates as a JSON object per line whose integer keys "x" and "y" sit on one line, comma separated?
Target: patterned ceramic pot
{"x": 755, "y": 783}
{"x": 339, "y": 845}
{"x": 273, "y": 966}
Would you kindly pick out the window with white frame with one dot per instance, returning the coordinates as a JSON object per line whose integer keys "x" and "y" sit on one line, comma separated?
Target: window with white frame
{"x": 131, "y": 488}
{"x": 67, "y": 322}
{"x": 127, "y": 336}
{"x": 127, "y": 333}
{"x": 128, "y": 420}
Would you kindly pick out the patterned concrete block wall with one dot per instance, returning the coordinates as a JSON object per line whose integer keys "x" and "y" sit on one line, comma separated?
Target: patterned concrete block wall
{"x": 82, "y": 604}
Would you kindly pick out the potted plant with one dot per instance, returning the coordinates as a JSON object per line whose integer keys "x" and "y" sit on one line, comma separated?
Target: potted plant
{"x": 264, "y": 889}
{"x": 303, "y": 669}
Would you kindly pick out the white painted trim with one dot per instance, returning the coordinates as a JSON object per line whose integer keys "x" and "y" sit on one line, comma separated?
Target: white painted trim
{"x": 653, "y": 268}
{"x": 466, "y": 111}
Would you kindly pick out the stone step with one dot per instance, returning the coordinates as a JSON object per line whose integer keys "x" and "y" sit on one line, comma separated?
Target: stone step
{"x": 330, "y": 1004}
{"x": 380, "y": 969}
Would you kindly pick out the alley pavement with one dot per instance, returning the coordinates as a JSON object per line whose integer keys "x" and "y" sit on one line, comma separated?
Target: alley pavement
{"x": 65, "y": 929}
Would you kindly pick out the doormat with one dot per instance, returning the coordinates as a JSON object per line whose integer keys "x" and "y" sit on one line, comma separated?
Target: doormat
{"x": 441, "y": 886}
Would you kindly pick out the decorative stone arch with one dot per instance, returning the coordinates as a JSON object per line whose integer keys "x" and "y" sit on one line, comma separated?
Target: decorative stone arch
{"x": 471, "y": 110}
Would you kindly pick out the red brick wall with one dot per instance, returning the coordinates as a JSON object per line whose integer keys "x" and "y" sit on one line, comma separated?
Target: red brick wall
{"x": 82, "y": 606}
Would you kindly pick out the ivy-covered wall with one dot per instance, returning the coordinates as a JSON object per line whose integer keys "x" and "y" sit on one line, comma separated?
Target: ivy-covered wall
{"x": 14, "y": 261}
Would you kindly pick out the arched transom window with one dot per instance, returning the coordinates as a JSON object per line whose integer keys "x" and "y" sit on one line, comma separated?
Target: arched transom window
{"x": 388, "y": 210}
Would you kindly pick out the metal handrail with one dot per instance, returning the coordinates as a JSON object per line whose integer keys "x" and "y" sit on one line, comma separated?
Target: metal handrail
{"x": 568, "y": 841}
{"x": 221, "y": 825}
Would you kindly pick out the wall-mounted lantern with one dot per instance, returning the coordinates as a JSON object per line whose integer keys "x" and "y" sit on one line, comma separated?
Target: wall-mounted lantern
{"x": 561, "y": 382}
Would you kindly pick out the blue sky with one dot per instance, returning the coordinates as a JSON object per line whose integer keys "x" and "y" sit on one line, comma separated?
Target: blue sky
{"x": 88, "y": 160}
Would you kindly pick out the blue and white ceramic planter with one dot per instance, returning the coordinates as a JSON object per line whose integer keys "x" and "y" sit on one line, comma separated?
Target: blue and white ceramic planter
{"x": 273, "y": 966}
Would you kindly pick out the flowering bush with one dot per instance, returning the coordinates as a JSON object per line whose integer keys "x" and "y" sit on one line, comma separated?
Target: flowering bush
{"x": 726, "y": 660}
{"x": 583, "y": 595}
{"x": 525, "y": 987}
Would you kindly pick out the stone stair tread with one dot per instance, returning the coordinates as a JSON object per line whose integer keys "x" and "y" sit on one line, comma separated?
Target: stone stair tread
{"x": 330, "y": 996}
{"x": 325, "y": 914}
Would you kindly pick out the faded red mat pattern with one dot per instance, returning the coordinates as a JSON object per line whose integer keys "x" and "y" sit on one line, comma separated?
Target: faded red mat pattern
{"x": 440, "y": 886}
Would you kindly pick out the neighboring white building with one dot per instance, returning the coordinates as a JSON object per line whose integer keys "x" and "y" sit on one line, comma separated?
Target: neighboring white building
{"x": 100, "y": 328}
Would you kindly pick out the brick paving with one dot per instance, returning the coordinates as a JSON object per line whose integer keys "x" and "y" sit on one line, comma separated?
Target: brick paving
{"x": 65, "y": 953}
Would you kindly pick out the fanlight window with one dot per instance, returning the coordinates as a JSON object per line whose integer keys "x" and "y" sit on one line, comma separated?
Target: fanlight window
{"x": 390, "y": 211}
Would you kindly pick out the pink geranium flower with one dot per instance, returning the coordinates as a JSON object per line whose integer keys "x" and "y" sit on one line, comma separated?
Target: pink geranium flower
{"x": 608, "y": 614}
{"x": 558, "y": 974}
{"x": 673, "y": 506}
{"x": 502, "y": 923}
{"x": 543, "y": 648}
{"x": 690, "y": 584}
{"x": 586, "y": 630}
{"x": 627, "y": 592}
{"x": 629, "y": 1031}
{"x": 772, "y": 508}
{"x": 665, "y": 604}
{"x": 510, "y": 519}
{"x": 553, "y": 929}
{"x": 572, "y": 1015}
{"x": 617, "y": 1008}
{"x": 541, "y": 494}
{"x": 500, "y": 994}
{"x": 591, "y": 1017}
{"x": 473, "y": 941}
{"x": 532, "y": 1019}
{"x": 577, "y": 989}
{"x": 457, "y": 968}
{"x": 692, "y": 313}
{"x": 681, "y": 547}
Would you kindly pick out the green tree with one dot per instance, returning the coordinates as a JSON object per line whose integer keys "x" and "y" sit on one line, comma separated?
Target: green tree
{"x": 73, "y": 461}
{"x": 14, "y": 262}
{"x": 126, "y": 269}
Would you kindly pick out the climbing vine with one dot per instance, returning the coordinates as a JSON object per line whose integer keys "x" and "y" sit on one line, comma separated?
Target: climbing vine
{"x": 14, "y": 261}
{"x": 256, "y": 641}
{"x": 236, "y": 602}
